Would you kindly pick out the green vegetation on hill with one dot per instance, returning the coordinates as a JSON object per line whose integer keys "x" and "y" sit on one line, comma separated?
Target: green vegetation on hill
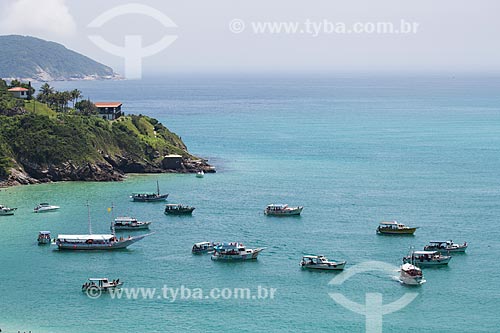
{"x": 29, "y": 57}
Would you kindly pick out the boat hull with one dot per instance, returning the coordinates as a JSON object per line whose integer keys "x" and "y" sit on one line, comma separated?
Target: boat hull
{"x": 460, "y": 249}
{"x": 130, "y": 228}
{"x": 326, "y": 267}
{"x": 99, "y": 247}
{"x": 428, "y": 263}
{"x": 162, "y": 197}
{"x": 291, "y": 212}
{"x": 384, "y": 231}
{"x": 179, "y": 212}
{"x": 7, "y": 211}
{"x": 45, "y": 210}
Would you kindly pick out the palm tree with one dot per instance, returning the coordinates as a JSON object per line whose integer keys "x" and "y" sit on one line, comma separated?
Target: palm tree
{"x": 75, "y": 95}
{"x": 45, "y": 92}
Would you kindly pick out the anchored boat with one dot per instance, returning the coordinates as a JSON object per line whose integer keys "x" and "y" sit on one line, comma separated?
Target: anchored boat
{"x": 43, "y": 237}
{"x": 446, "y": 247}
{"x": 178, "y": 209}
{"x": 411, "y": 275}
{"x": 203, "y": 247}
{"x": 426, "y": 258}
{"x": 150, "y": 197}
{"x": 234, "y": 251}
{"x": 45, "y": 207}
{"x": 4, "y": 211}
{"x": 282, "y": 210}
{"x": 102, "y": 284}
{"x": 395, "y": 228}
{"x": 321, "y": 263}
{"x": 129, "y": 223}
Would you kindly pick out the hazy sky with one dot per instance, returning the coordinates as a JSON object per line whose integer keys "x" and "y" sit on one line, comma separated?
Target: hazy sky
{"x": 452, "y": 35}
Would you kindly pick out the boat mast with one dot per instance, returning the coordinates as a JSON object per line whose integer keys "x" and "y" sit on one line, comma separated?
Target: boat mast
{"x": 158, "y": 187}
{"x": 112, "y": 219}
{"x": 90, "y": 222}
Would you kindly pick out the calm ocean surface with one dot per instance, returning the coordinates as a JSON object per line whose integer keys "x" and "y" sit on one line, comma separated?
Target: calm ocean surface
{"x": 353, "y": 151}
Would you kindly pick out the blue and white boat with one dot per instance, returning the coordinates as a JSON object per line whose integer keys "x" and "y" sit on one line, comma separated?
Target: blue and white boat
{"x": 203, "y": 247}
{"x": 234, "y": 251}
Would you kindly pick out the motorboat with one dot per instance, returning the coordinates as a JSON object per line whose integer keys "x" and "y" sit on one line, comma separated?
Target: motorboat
{"x": 43, "y": 237}
{"x": 321, "y": 263}
{"x": 203, "y": 247}
{"x": 282, "y": 210}
{"x": 4, "y": 211}
{"x": 178, "y": 209}
{"x": 45, "y": 207}
{"x": 92, "y": 241}
{"x": 150, "y": 196}
{"x": 446, "y": 247}
{"x": 395, "y": 228}
{"x": 234, "y": 251}
{"x": 129, "y": 223}
{"x": 411, "y": 275}
{"x": 101, "y": 284}
{"x": 427, "y": 258}
{"x": 200, "y": 174}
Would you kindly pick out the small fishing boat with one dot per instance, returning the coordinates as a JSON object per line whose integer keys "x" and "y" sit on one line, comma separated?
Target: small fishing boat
{"x": 282, "y": 210}
{"x": 395, "y": 228}
{"x": 129, "y": 223}
{"x": 411, "y": 275}
{"x": 203, "y": 247}
{"x": 321, "y": 263}
{"x": 43, "y": 237}
{"x": 426, "y": 258}
{"x": 102, "y": 284}
{"x": 200, "y": 174}
{"x": 234, "y": 251}
{"x": 150, "y": 196}
{"x": 178, "y": 209}
{"x": 4, "y": 211}
{"x": 45, "y": 207}
{"x": 446, "y": 247}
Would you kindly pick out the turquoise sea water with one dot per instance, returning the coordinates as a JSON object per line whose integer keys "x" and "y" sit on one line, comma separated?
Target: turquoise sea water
{"x": 354, "y": 151}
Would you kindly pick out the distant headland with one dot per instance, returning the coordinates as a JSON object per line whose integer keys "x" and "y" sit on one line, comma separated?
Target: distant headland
{"x": 32, "y": 59}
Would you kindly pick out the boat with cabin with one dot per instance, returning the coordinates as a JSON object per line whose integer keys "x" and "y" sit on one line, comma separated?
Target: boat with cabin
{"x": 203, "y": 247}
{"x": 234, "y": 251}
{"x": 282, "y": 210}
{"x": 426, "y": 258}
{"x": 321, "y": 263}
{"x": 446, "y": 247}
{"x": 92, "y": 241}
{"x": 411, "y": 275}
{"x": 45, "y": 207}
{"x": 150, "y": 196}
{"x": 178, "y": 209}
{"x": 200, "y": 174}
{"x": 43, "y": 237}
{"x": 5, "y": 211}
{"x": 395, "y": 228}
{"x": 101, "y": 284}
{"x": 129, "y": 223}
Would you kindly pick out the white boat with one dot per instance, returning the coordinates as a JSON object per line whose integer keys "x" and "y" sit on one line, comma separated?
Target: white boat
{"x": 203, "y": 247}
{"x": 200, "y": 174}
{"x": 4, "y": 211}
{"x": 234, "y": 251}
{"x": 446, "y": 246}
{"x": 411, "y": 275}
{"x": 322, "y": 263}
{"x": 427, "y": 258}
{"x": 43, "y": 237}
{"x": 282, "y": 210}
{"x": 92, "y": 241}
{"x": 45, "y": 207}
{"x": 102, "y": 284}
{"x": 129, "y": 223}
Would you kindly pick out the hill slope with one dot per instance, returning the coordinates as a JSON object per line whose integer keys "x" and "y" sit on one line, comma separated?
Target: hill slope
{"x": 29, "y": 58}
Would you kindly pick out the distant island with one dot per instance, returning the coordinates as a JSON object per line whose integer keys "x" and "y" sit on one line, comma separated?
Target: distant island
{"x": 58, "y": 136}
{"x": 33, "y": 59}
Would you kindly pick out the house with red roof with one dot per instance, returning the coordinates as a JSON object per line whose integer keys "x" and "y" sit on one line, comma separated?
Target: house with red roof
{"x": 19, "y": 92}
{"x": 109, "y": 110}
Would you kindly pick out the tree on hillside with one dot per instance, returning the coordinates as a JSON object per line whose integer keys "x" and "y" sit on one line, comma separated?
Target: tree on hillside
{"x": 75, "y": 95}
{"x": 45, "y": 92}
{"x": 86, "y": 107}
